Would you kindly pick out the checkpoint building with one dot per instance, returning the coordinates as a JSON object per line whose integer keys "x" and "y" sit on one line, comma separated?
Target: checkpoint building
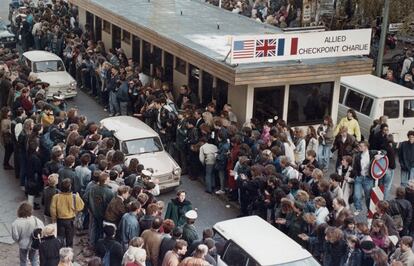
{"x": 191, "y": 41}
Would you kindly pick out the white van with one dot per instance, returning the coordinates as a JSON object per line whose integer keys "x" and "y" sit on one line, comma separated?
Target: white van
{"x": 372, "y": 97}
{"x": 251, "y": 241}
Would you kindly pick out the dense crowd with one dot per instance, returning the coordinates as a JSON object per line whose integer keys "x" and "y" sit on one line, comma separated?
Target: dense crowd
{"x": 69, "y": 168}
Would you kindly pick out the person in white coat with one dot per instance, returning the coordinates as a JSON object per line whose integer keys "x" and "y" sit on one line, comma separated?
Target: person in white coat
{"x": 22, "y": 230}
{"x": 321, "y": 211}
{"x": 207, "y": 156}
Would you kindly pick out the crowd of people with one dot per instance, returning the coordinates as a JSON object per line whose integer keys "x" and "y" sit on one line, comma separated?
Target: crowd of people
{"x": 69, "y": 167}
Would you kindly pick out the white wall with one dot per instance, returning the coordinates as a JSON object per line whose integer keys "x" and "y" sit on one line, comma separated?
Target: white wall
{"x": 241, "y": 101}
{"x": 127, "y": 48}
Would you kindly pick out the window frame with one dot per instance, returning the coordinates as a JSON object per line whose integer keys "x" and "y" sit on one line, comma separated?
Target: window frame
{"x": 306, "y": 122}
{"x": 180, "y": 68}
{"x": 362, "y": 104}
{"x": 399, "y": 108}
{"x": 125, "y": 39}
{"x": 106, "y": 26}
{"x": 404, "y": 109}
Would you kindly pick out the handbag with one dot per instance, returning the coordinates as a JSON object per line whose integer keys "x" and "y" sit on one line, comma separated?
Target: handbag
{"x": 36, "y": 237}
{"x": 79, "y": 218}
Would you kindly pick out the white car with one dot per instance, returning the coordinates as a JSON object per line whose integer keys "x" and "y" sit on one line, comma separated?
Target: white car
{"x": 50, "y": 68}
{"x": 137, "y": 140}
{"x": 251, "y": 241}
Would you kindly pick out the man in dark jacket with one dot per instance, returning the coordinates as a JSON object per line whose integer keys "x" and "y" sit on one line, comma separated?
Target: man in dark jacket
{"x": 67, "y": 171}
{"x": 389, "y": 174}
{"x": 168, "y": 243}
{"x": 344, "y": 143}
{"x": 402, "y": 207}
{"x": 380, "y": 139}
{"x": 363, "y": 180}
{"x": 406, "y": 157}
{"x": 97, "y": 200}
{"x": 109, "y": 244}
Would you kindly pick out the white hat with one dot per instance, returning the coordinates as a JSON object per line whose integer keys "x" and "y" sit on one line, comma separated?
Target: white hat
{"x": 146, "y": 172}
{"x": 191, "y": 214}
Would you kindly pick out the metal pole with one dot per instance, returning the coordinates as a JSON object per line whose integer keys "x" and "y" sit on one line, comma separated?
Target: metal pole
{"x": 219, "y": 3}
{"x": 384, "y": 30}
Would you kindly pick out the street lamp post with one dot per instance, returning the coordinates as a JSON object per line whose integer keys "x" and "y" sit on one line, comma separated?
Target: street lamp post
{"x": 384, "y": 30}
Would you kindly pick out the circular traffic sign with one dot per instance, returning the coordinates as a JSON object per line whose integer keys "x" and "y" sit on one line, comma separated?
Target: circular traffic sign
{"x": 379, "y": 167}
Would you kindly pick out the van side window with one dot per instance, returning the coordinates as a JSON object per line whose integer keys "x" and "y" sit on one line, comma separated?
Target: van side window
{"x": 342, "y": 94}
{"x": 234, "y": 255}
{"x": 366, "y": 106}
{"x": 354, "y": 100}
{"x": 392, "y": 108}
{"x": 408, "y": 108}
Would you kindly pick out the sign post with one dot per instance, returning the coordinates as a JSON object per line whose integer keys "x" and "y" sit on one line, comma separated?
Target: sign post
{"x": 378, "y": 169}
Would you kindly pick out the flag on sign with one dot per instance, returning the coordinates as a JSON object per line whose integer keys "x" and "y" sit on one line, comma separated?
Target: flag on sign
{"x": 266, "y": 48}
{"x": 243, "y": 49}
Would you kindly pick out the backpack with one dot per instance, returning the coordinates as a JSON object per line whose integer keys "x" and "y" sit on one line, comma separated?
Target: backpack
{"x": 106, "y": 260}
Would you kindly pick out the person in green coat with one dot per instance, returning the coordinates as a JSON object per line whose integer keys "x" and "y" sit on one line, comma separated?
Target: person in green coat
{"x": 177, "y": 208}
{"x": 189, "y": 231}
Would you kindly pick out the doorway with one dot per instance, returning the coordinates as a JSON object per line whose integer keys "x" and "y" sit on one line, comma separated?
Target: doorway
{"x": 136, "y": 49}
{"x": 98, "y": 29}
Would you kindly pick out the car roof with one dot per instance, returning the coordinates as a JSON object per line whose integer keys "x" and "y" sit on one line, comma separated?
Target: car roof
{"x": 36, "y": 56}
{"x": 128, "y": 128}
{"x": 263, "y": 242}
{"x": 376, "y": 87}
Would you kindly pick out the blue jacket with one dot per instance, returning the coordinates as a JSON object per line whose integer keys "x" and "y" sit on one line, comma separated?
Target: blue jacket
{"x": 129, "y": 227}
{"x": 221, "y": 159}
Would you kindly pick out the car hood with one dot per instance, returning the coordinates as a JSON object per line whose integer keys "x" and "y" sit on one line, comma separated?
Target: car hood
{"x": 160, "y": 162}
{"x": 5, "y": 33}
{"x": 56, "y": 79}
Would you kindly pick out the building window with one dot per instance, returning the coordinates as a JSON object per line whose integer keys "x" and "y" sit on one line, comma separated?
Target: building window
{"x": 268, "y": 103}
{"x": 126, "y": 37}
{"x": 309, "y": 103}
{"x": 106, "y": 26}
{"x": 181, "y": 66}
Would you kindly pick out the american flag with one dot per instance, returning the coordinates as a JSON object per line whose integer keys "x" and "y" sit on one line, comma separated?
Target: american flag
{"x": 266, "y": 48}
{"x": 243, "y": 49}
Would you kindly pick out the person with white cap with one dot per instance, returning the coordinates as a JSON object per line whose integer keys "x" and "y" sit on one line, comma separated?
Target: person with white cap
{"x": 189, "y": 231}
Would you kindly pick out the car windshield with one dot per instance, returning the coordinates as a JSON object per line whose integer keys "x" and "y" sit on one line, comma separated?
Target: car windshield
{"x": 48, "y": 66}
{"x": 305, "y": 262}
{"x": 140, "y": 146}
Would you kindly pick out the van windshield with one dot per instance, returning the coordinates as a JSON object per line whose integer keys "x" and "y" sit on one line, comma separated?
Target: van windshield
{"x": 48, "y": 66}
{"x": 140, "y": 146}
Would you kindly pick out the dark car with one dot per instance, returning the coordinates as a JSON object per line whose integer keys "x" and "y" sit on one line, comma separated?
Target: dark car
{"x": 7, "y": 38}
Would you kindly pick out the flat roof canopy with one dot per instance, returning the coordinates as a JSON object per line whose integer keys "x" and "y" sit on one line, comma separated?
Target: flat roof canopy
{"x": 194, "y": 37}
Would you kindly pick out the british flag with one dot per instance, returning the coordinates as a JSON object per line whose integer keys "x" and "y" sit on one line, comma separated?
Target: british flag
{"x": 266, "y": 48}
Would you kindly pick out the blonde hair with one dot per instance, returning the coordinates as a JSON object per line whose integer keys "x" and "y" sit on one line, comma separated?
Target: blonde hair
{"x": 53, "y": 180}
{"x": 49, "y": 230}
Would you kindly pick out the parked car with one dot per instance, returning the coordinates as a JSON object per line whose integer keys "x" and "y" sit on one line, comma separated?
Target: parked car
{"x": 372, "y": 97}
{"x": 137, "y": 140}
{"x": 50, "y": 69}
{"x": 253, "y": 241}
{"x": 7, "y": 38}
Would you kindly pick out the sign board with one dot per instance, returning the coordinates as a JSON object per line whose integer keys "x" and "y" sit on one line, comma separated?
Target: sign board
{"x": 298, "y": 46}
{"x": 379, "y": 167}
